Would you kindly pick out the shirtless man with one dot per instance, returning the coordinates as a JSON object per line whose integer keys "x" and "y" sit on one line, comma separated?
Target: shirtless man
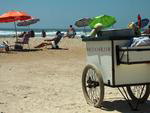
{"x": 71, "y": 32}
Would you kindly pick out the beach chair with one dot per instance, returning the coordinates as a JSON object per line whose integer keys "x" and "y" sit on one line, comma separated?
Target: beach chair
{"x": 4, "y": 47}
{"x": 25, "y": 40}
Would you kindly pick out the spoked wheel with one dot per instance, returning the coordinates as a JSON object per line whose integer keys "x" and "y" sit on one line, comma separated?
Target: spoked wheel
{"x": 139, "y": 93}
{"x": 93, "y": 86}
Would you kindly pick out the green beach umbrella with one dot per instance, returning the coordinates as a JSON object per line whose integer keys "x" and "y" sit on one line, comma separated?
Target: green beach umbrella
{"x": 105, "y": 20}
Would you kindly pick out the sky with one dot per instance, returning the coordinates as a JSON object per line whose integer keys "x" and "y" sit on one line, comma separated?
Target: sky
{"x": 62, "y": 13}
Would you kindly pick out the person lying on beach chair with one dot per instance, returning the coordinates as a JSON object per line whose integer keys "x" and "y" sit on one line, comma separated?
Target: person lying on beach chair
{"x": 4, "y": 47}
{"x": 53, "y": 42}
{"x": 96, "y": 31}
{"x": 23, "y": 40}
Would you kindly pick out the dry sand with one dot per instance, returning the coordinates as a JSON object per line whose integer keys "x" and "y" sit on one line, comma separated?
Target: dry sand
{"x": 49, "y": 81}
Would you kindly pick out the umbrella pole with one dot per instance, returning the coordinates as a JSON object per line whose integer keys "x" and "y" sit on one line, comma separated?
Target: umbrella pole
{"x": 16, "y": 31}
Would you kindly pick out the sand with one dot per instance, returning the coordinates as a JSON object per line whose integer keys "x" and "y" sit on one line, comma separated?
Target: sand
{"x": 49, "y": 81}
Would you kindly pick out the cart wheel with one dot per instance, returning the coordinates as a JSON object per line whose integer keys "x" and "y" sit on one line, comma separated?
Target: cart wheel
{"x": 139, "y": 93}
{"x": 93, "y": 86}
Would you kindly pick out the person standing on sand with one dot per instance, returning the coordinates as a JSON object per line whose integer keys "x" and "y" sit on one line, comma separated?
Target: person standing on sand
{"x": 32, "y": 33}
{"x": 43, "y": 33}
{"x": 71, "y": 32}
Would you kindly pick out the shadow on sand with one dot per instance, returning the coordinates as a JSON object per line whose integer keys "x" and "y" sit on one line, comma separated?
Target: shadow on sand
{"x": 26, "y": 50}
{"x": 123, "y": 107}
{"x": 58, "y": 48}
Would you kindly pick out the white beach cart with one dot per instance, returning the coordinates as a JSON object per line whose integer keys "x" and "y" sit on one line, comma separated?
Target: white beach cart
{"x": 111, "y": 63}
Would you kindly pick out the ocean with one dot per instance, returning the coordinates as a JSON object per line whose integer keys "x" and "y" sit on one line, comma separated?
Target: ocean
{"x": 38, "y": 32}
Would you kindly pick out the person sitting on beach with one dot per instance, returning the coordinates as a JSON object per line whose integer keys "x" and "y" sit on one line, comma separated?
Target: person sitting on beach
{"x": 24, "y": 38}
{"x": 4, "y": 47}
{"x": 53, "y": 42}
{"x": 97, "y": 30}
{"x": 71, "y": 32}
{"x": 22, "y": 34}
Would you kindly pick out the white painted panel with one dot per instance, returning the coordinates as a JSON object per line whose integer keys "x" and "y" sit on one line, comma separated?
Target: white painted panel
{"x": 99, "y": 54}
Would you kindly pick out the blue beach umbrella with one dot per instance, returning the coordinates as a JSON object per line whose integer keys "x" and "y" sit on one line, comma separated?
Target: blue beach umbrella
{"x": 105, "y": 20}
{"x": 144, "y": 22}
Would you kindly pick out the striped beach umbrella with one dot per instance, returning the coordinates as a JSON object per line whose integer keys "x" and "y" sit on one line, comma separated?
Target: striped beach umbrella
{"x": 28, "y": 22}
{"x": 82, "y": 22}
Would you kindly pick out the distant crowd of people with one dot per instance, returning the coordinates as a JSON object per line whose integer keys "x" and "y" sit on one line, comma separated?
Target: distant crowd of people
{"x": 71, "y": 33}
